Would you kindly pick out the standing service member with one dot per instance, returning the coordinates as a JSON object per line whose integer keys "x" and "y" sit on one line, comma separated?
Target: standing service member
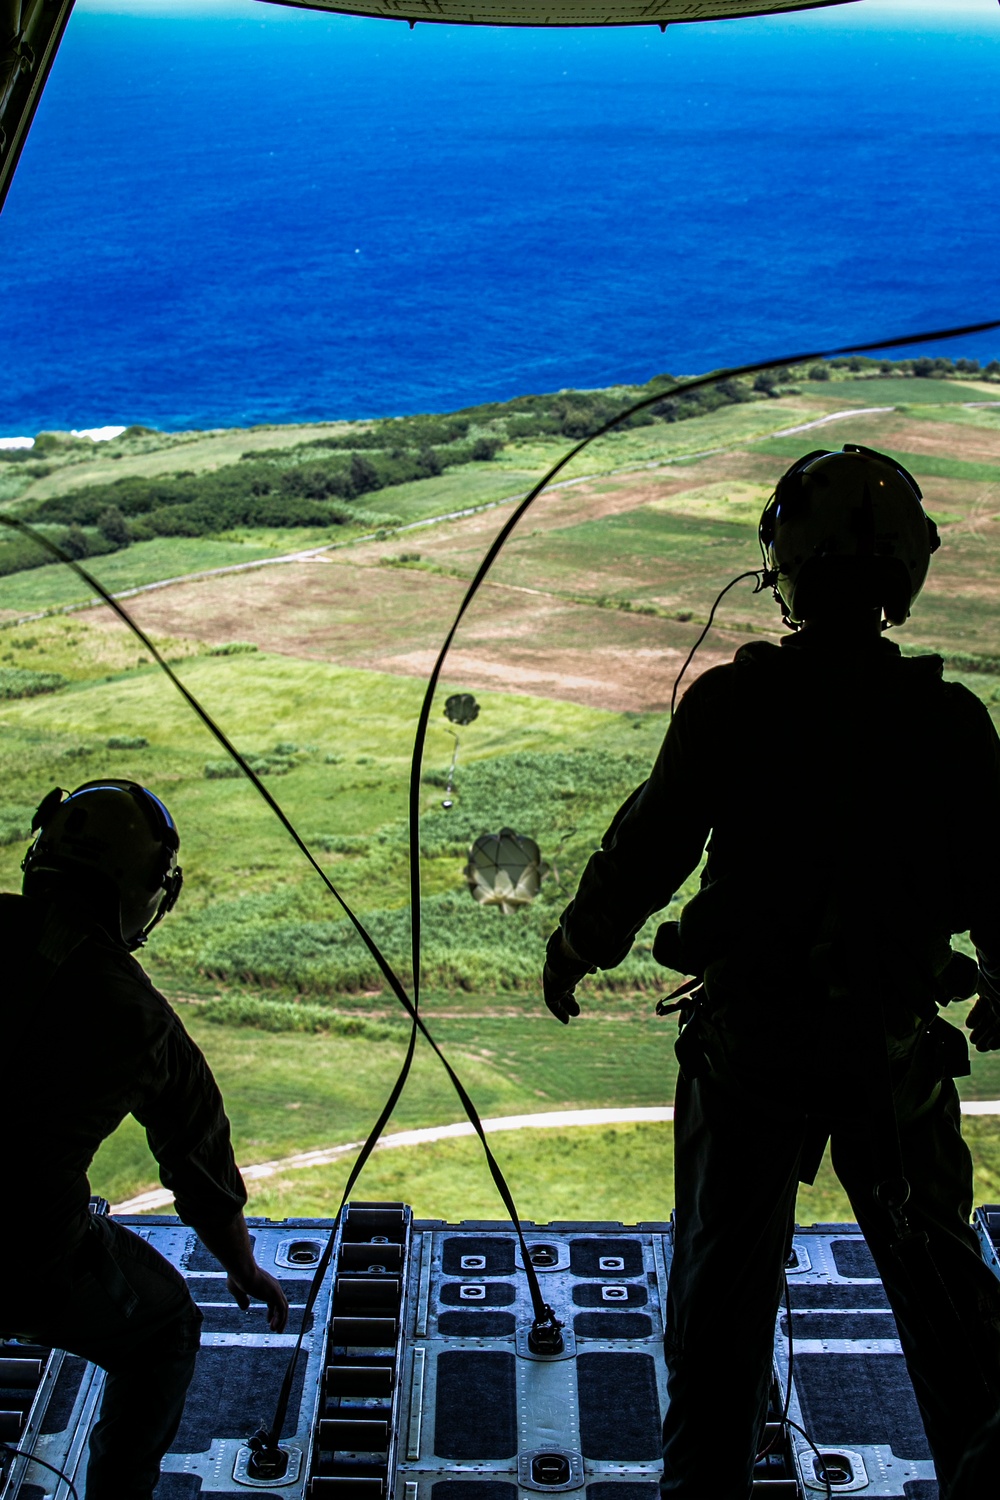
{"x": 86, "y": 1041}
{"x": 850, "y": 798}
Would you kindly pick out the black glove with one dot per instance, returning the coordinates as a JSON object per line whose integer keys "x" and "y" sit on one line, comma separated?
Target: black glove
{"x": 562, "y": 973}
{"x": 958, "y": 980}
{"x": 983, "y": 1019}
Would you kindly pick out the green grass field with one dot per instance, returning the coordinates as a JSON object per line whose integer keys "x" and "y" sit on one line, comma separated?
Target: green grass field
{"x": 921, "y": 465}
{"x": 74, "y": 465}
{"x": 876, "y": 391}
{"x": 619, "y": 1172}
{"x": 570, "y": 651}
{"x": 290, "y": 1092}
{"x": 55, "y": 586}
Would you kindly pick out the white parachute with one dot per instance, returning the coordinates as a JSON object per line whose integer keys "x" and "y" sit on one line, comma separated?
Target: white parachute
{"x": 505, "y": 869}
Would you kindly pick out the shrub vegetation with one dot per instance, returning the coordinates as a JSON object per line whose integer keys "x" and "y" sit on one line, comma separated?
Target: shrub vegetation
{"x": 319, "y": 482}
{"x": 562, "y": 799}
{"x": 278, "y": 1015}
{"x": 15, "y": 824}
{"x": 18, "y": 682}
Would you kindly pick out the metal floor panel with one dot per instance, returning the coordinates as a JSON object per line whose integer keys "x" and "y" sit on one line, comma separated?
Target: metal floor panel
{"x": 416, "y": 1382}
{"x": 224, "y": 1406}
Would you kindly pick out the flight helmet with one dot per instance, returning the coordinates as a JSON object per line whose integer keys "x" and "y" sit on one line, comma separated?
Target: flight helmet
{"x": 848, "y": 520}
{"x": 113, "y": 845}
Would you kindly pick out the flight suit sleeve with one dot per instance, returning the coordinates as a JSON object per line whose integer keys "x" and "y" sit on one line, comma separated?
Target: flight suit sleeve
{"x": 188, "y": 1132}
{"x": 656, "y": 838}
{"x": 984, "y": 855}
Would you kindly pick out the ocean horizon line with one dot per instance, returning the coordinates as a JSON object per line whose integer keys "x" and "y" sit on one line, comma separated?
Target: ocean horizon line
{"x": 107, "y": 432}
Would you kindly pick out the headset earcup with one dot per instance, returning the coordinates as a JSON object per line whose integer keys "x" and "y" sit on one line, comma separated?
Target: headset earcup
{"x": 765, "y": 531}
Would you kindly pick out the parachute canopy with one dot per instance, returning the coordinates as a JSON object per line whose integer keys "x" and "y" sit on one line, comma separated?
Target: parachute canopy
{"x": 504, "y": 870}
{"x": 561, "y": 12}
{"x": 461, "y": 708}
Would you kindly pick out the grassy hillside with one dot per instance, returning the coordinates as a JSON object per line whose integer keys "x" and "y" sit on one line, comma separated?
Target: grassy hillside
{"x": 291, "y": 1092}
{"x": 619, "y": 1172}
{"x": 315, "y": 666}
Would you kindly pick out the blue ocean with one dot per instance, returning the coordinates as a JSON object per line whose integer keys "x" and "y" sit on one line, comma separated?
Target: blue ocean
{"x": 271, "y": 215}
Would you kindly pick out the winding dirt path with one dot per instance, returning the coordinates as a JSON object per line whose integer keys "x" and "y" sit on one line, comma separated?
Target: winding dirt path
{"x": 557, "y": 1119}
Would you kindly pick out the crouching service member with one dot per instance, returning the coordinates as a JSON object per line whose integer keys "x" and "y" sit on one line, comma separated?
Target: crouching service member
{"x": 86, "y": 1041}
{"x": 850, "y": 798}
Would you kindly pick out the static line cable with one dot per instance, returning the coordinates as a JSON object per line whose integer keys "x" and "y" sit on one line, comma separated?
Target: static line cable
{"x": 30, "y": 1458}
{"x": 544, "y": 1318}
{"x": 787, "y": 1401}
{"x": 546, "y": 1326}
{"x": 791, "y": 1349}
{"x": 543, "y": 1315}
{"x": 500, "y": 540}
{"x": 822, "y": 1473}
{"x": 711, "y": 616}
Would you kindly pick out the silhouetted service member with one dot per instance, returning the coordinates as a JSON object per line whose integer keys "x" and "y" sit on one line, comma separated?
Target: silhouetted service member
{"x": 86, "y": 1041}
{"x": 851, "y": 803}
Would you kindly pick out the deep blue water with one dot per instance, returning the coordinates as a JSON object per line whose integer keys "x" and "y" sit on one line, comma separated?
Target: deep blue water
{"x": 277, "y": 215}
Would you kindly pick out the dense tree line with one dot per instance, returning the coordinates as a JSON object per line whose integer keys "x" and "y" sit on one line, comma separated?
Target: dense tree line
{"x": 319, "y": 483}
{"x": 400, "y": 433}
{"x": 925, "y": 367}
{"x": 18, "y": 554}
{"x": 574, "y": 414}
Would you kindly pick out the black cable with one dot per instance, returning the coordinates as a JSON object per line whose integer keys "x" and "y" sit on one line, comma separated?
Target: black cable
{"x": 499, "y": 541}
{"x": 821, "y": 1472}
{"x": 543, "y": 1313}
{"x": 785, "y": 1419}
{"x": 755, "y": 573}
{"x": 30, "y": 1458}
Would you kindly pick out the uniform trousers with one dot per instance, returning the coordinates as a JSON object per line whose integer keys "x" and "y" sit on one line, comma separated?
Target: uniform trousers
{"x": 737, "y": 1164}
{"x": 118, "y": 1303}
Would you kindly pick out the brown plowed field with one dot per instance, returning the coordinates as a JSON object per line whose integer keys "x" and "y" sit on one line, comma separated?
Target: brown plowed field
{"x": 394, "y": 619}
{"x": 550, "y": 621}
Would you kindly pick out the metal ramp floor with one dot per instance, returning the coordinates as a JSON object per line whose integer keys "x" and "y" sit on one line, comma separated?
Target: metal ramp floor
{"x": 416, "y": 1382}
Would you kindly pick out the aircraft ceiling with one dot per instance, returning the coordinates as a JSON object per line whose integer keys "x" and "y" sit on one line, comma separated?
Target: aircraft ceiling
{"x": 559, "y": 12}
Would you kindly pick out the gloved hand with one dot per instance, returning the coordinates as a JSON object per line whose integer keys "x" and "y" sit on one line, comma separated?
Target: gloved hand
{"x": 983, "y": 1019}
{"x": 958, "y": 980}
{"x": 562, "y": 973}
{"x": 262, "y": 1286}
